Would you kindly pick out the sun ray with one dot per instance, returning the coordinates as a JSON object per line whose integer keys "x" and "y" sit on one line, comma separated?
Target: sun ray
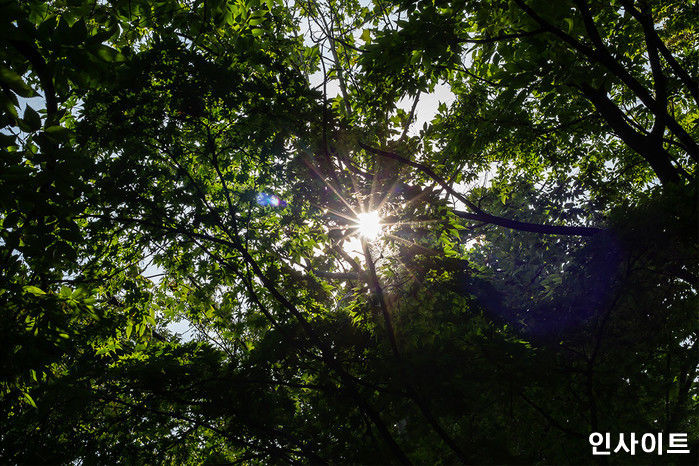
{"x": 372, "y": 192}
{"x": 340, "y": 227}
{"x": 419, "y": 196}
{"x": 329, "y": 185}
{"x": 411, "y": 222}
{"x": 412, "y": 274}
{"x": 352, "y": 246}
{"x": 355, "y": 185}
{"x": 353, "y": 221}
{"x": 335, "y": 212}
{"x": 431, "y": 251}
{"x": 388, "y": 194}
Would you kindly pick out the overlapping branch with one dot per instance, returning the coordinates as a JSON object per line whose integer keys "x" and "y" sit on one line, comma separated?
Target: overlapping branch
{"x": 479, "y": 214}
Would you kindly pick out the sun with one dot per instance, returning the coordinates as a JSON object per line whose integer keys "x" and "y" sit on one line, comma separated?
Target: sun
{"x": 369, "y": 225}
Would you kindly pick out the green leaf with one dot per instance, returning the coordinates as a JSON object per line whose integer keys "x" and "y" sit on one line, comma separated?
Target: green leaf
{"x": 366, "y": 36}
{"x": 29, "y": 399}
{"x": 8, "y": 105}
{"x": 15, "y": 82}
{"x": 415, "y": 57}
{"x": 34, "y": 290}
{"x": 109, "y": 54}
{"x": 570, "y": 23}
{"x": 32, "y": 119}
{"x": 58, "y": 132}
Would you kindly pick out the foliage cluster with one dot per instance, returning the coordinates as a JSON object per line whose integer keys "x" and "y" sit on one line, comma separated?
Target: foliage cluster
{"x": 535, "y": 279}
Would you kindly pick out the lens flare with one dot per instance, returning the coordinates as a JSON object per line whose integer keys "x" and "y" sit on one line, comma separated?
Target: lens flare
{"x": 369, "y": 225}
{"x": 270, "y": 200}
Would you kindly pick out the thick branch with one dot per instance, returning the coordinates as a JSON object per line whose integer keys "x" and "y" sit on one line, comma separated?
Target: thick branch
{"x": 652, "y": 34}
{"x": 479, "y": 214}
{"x": 659, "y": 80}
{"x": 42, "y": 71}
{"x": 530, "y": 227}
{"x": 604, "y": 58}
{"x": 655, "y": 154}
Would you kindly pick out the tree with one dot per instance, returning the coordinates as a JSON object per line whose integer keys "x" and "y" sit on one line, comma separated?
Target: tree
{"x": 533, "y": 279}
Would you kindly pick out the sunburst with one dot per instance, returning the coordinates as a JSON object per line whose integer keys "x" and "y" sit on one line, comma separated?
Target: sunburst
{"x": 369, "y": 225}
{"x": 368, "y": 217}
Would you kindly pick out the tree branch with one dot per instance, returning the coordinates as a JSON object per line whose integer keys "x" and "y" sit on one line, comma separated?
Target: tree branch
{"x": 604, "y": 58}
{"x": 655, "y": 154}
{"x": 479, "y": 214}
{"x": 42, "y": 71}
{"x": 652, "y": 34}
{"x": 326, "y": 352}
{"x": 412, "y": 391}
{"x": 502, "y": 37}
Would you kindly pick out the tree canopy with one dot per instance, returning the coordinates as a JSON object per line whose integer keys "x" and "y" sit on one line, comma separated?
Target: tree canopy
{"x": 233, "y": 231}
